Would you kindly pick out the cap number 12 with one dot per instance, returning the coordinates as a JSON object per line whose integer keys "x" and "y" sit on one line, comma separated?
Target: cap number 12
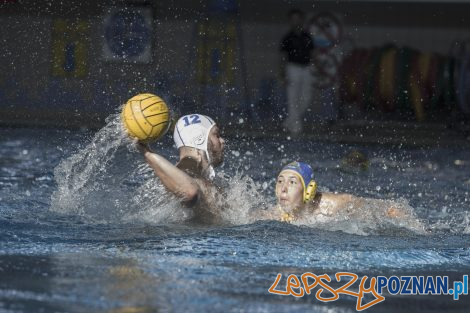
{"x": 194, "y": 120}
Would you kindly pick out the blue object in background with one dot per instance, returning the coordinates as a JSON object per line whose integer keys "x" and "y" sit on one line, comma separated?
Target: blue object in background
{"x": 127, "y": 34}
{"x": 223, "y": 6}
{"x": 69, "y": 65}
{"x": 215, "y": 63}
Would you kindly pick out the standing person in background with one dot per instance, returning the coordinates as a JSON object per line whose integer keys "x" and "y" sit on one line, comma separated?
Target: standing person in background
{"x": 296, "y": 54}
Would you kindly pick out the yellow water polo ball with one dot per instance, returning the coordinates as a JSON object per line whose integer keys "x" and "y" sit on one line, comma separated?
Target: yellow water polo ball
{"x": 146, "y": 117}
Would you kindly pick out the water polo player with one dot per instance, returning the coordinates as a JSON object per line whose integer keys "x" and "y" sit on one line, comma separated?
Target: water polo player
{"x": 197, "y": 137}
{"x": 299, "y": 202}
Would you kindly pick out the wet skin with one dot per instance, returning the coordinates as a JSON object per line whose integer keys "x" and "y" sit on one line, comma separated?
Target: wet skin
{"x": 289, "y": 190}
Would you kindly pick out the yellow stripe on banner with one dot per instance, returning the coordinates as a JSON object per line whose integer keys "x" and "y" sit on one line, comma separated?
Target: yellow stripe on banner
{"x": 425, "y": 65}
{"x": 69, "y": 48}
{"x": 416, "y": 97}
{"x": 424, "y": 68}
{"x": 217, "y": 46}
{"x": 387, "y": 81}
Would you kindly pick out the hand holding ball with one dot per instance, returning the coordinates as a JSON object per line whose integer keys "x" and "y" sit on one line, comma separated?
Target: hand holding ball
{"x": 146, "y": 117}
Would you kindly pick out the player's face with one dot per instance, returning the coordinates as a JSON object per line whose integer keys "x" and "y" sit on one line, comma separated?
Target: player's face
{"x": 289, "y": 190}
{"x": 216, "y": 146}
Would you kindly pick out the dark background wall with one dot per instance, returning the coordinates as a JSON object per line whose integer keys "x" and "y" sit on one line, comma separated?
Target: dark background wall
{"x": 32, "y": 92}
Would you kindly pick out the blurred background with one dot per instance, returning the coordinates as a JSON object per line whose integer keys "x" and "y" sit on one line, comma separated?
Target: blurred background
{"x": 380, "y": 65}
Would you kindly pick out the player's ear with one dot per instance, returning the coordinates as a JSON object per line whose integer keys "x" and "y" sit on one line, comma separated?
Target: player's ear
{"x": 310, "y": 191}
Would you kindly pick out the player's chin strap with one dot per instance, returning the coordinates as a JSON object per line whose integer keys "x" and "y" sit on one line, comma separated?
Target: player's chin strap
{"x": 288, "y": 217}
{"x": 210, "y": 173}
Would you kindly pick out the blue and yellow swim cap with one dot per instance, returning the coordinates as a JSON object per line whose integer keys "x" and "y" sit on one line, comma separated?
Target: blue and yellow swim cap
{"x": 305, "y": 174}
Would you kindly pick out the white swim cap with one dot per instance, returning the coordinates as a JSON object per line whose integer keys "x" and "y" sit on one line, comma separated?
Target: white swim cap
{"x": 193, "y": 131}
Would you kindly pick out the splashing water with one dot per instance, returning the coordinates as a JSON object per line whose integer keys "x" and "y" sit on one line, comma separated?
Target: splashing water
{"x": 87, "y": 265}
{"x": 372, "y": 218}
{"x": 81, "y": 177}
{"x": 154, "y": 205}
{"x": 244, "y": 196}
{"x": 105, "y": 181}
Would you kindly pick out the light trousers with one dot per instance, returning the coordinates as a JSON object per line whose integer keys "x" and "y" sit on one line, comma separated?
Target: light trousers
{"x": 299, "y": 95}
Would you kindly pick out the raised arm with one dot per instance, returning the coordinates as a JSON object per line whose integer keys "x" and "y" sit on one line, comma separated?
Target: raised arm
{"x": 174, "y": 179}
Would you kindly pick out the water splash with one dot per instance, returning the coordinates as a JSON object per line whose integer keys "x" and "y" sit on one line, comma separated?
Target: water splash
{"x": 106, "y": 182}
{"x": 98, "y": 180}
{"x": 154, "y": 203}
{"x": 243, "y": 197}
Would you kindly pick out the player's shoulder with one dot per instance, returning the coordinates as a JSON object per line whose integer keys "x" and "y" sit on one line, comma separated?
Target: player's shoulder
{"x": 337, "y": 197}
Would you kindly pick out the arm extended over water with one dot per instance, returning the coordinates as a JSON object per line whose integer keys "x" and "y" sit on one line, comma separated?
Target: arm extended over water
{"x": 174, "y": 179}
{"x": 351, "y": 203}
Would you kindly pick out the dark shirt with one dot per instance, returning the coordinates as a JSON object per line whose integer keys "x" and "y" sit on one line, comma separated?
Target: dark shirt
{"x": 298, "y": 47}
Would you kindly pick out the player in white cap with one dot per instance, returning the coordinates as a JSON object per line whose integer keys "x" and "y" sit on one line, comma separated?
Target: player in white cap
{"x": 197, "y": 137}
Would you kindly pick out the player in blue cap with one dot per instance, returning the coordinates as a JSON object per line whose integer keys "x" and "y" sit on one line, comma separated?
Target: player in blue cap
{"x": 298, "y": 199}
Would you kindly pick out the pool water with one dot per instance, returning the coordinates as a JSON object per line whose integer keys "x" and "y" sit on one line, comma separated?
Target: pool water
{"x": 86, "y": 227}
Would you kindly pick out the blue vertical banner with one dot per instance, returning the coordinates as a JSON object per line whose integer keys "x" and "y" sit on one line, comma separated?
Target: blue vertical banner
{"x": 128, "y": 34}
